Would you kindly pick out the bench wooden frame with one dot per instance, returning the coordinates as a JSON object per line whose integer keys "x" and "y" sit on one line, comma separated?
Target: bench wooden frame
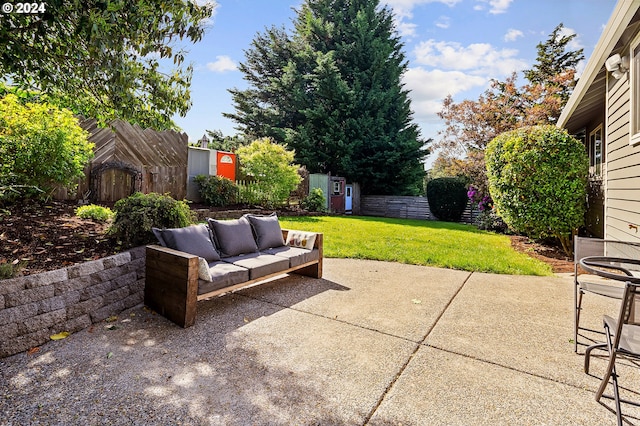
{"x": 171, "y": 287}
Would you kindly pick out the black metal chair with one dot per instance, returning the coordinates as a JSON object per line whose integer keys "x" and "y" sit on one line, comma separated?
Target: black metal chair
{"x": 622, "y": 334}
{"x": 586, "y": 282}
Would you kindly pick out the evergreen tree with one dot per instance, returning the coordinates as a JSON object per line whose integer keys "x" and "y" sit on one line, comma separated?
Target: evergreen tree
{"x": 556, "y": 59}
{"x": 338, "y": 100}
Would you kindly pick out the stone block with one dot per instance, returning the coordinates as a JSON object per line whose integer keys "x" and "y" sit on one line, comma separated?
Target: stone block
{"x": 125, "y": 280}
{"x": 115, "y": 295}
{"x": 138, "y": 252}
{"x": 8, "y": 331}
{"x": 27, "y": 296}
{"x": 106, "y": 275}
{"x": 84, "y": 308}
{"x": 135, "y": 265}
{"x": 85, "y": 269}
{"x": 96, "y": 290}
{"x": 77, "y": 324}
{"x": 12, "y": 285}
{"x": 137, "y": 286}
{"x": 71, "y": 285}
{"x": 24, "y": 342}
{"x": 54, "y": 304}
{"x": 18, "y": 313}
{"x": 117, "y": 260}
{"x": 46, "y": 278}
{"x": 38, "y": 322}
{"x": 71, "y": 297}
{"x": 107, "y": 311}
{"x": 2, "y": 301}
{"x": 133, "y": 300}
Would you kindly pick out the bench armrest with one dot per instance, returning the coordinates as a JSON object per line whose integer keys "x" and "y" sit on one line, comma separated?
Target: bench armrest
{"x": 171, "y": 287}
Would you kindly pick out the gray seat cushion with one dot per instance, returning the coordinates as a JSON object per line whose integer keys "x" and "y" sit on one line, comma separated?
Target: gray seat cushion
{"x": 260, "y": 265}
{"x": 297, "y": 256}
{"x": 266, "y": 230}
{"x": 195, "y": 239}
{"x": 233, "y": 237}
{"x": 223, "y": 274}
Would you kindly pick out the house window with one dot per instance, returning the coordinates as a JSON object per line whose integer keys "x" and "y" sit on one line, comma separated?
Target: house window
{"x": 596, "y": 152}
{"x": 635, "y": 91}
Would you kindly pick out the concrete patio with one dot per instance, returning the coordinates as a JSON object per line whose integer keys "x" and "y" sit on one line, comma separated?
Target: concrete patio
{"x": 372, "y": 343}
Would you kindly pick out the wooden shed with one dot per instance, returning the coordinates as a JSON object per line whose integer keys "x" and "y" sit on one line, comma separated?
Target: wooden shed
{"x": 129, "y": 159}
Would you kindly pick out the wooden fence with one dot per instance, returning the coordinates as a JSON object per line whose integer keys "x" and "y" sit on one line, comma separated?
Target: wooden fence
{"x": 128, "y": 158}
{"x": 403, "y": 207}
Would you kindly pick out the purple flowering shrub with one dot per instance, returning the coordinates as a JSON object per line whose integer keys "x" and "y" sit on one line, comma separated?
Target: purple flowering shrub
{"x": 487, "y": 218}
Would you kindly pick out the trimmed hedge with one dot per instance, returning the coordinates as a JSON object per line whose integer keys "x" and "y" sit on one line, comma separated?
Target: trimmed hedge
{"x": 447, "y": 198}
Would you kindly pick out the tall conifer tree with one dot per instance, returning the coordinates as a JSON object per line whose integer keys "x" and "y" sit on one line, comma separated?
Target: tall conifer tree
{"x": 339, "y": 100}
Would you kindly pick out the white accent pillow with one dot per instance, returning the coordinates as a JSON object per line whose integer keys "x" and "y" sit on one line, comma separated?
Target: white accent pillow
{"x": 301, "y": 239}
{"x": 203, "y": 270}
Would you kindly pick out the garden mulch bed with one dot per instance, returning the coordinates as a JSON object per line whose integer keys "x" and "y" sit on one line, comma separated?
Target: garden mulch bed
{"x": 46, "y": 236}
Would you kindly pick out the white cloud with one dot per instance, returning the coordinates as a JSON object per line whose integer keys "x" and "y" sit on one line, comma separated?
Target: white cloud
{"x": 404, "y": 8}
{"x": 443, "y": 22}
{"x": 428, "y": 88}
{"x": 496, "y": 7}
{"x": 403, "y": 11}
{"x": 512, "y": 35}
{"x": 478, "y": 58}
{"x": 574, "y": 44}
{"x": 406, "y": 29}
{"x": 222, "y": 64}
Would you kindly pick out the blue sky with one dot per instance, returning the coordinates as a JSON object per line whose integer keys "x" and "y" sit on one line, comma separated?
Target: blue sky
{"x": 452, "y": 46}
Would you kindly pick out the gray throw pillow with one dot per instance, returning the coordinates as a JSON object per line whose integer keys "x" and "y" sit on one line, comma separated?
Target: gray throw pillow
{"x": 233, "y": 237}
{"x": 194, "y": 239}
{"x": 158, "y": 233}
{"x": 267, "y": 231}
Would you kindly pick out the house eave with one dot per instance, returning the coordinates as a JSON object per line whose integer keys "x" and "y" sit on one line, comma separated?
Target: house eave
{"x": 588, "y": 96}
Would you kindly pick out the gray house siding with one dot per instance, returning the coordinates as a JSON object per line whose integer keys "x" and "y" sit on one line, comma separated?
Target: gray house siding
{"x": 622, "y": 178}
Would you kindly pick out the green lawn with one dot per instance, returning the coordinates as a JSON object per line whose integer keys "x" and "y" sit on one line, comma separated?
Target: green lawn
{"x": 418, "y": 242}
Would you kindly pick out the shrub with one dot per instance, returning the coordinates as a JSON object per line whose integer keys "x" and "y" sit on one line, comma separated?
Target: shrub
{"x": 138, "y": 213}
{"x": 538, "y": 180}
{"x": 447, "y": 198}
{"x": 252, "y": 193}
{"x": 41, "y": 147}
{"x": 315, "y": 201}
{"x": 217, "y": 190}
{"x": 271, "y": 166}
{"x": 95, "y": 212}
{"x": 11, "y": 270}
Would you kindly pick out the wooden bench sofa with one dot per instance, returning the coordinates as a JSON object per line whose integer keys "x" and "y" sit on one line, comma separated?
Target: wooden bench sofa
{"x": 178, "y": 275}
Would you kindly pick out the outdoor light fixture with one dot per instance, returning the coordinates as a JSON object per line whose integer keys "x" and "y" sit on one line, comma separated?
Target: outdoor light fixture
{"x": 617, "y": 65}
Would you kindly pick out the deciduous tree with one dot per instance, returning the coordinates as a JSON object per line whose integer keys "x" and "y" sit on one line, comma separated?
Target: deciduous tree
{"x": 504, "y": 106}
{"x": 106, "y": 59}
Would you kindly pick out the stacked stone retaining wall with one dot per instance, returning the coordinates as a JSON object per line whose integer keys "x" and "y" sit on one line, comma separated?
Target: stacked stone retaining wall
{"x": 34, "y": 307}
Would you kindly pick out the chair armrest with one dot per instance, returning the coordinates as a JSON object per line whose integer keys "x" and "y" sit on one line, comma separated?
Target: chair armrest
{"x": 599, "y": 265}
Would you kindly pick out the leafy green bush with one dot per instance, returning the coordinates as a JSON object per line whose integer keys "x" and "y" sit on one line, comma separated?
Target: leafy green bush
{"x": 41, "y": 147}
{"x": 538, "y": 180}
{"x": 95, "y": 212}
{"x": 447, "y": 198}
{"x": 315, "y": 201}
{"x": 253, "y": 193}
{"x": 217, "y": 190}
{"x": 271, "y": 166}
{"x": 138, "y": 213}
